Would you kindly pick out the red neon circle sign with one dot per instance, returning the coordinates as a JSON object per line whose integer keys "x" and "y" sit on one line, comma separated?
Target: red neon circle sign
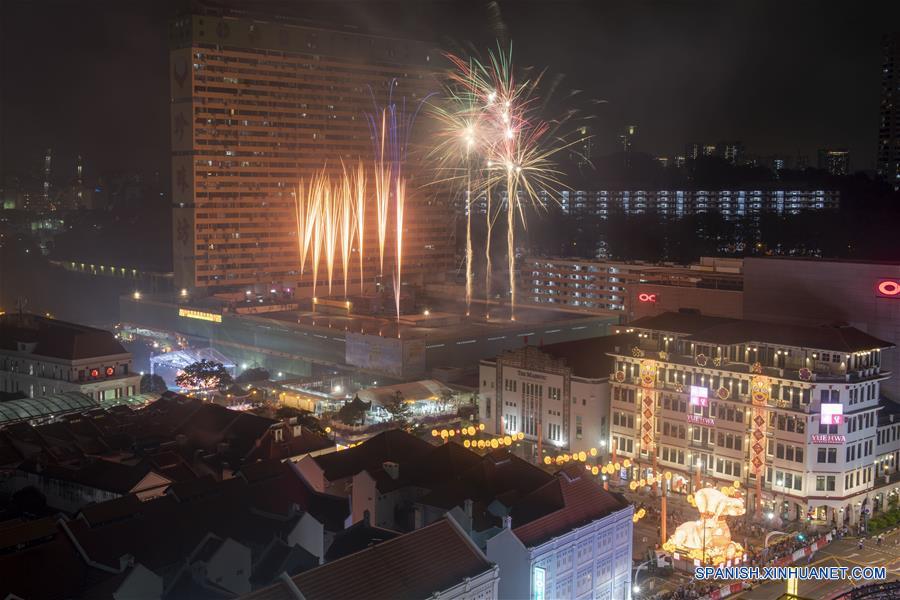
{"x": 647, "y": 297}
{"x": 888, "y": 288}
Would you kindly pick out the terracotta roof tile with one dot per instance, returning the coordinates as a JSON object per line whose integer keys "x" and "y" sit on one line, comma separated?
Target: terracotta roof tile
{"x": 569, "y": 501}
{"x": 411, "y": 566}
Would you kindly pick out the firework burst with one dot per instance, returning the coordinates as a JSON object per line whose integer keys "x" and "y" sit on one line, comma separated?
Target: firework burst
{"x": 489, "y": 116}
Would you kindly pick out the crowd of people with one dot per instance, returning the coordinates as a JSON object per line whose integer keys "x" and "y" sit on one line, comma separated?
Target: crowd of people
{"x": 693, "y": 590}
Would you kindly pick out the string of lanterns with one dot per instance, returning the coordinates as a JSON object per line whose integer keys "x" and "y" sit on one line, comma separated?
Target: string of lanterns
{"x": 449, "y": 433}
{"x": 471, "y": 430}
{"x": 650, "y": 480}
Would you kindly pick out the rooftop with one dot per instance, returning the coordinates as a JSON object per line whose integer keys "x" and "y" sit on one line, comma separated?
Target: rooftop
{"x": 570, "y": 500}
{"x": 588, "y": 357}
{"x": 415, "y": 565}
{"x": 392, "y": 445}
{"x": 56, "y": 339}
{"x": 725, "y": 331}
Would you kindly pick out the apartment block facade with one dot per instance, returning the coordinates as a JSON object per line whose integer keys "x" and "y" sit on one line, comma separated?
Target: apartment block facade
{"x": 791, "y": 412}
{"x": 259, "y": 103}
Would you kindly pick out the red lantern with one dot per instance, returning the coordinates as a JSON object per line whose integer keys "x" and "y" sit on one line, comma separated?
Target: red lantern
{"x": 110, "y": 371}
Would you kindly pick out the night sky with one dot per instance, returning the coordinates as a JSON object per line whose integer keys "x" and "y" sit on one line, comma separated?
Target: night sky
{"x": 89, "y": 76}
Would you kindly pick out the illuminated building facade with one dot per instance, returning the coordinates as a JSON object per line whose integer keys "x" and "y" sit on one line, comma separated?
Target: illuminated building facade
{"x": 582, "y": 549}
{"x": 819, "y": 292}
{"x": 557, "y": 395}
{"x": 41, "y": 356}
{"x": 888, "y": 156}
{"x": 732, "y": 204}
{"x": 634, "y": 288}
{"x": 791, "y": 412}
{"x": 258, "y": 103}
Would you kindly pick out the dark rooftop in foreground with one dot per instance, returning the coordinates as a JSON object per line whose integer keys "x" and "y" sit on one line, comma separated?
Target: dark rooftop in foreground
{"x": 415, "y": 565}
{"x": 725, "y": 331}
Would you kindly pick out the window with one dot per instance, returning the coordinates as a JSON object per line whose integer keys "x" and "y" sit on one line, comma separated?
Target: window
{"x": 825, "y": 483}
{"x": 578, "y": 427}
{"x": 827, "y": 455}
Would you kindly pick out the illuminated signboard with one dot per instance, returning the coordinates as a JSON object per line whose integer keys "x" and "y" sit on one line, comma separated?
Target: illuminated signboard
{"x": 643, "y": 297}
{"x": 197, "y": 314}
{"x": 699, "y": 396}
{"x": 826, "y": 438}
{"x": 887, "y": 288}
{"x": 539, "y": 583}
{"x": 701, "y": 420}
{"x": 832, "y": 414}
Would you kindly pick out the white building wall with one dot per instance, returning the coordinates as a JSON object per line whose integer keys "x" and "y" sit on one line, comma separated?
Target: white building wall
{"x": 593, "y": 561}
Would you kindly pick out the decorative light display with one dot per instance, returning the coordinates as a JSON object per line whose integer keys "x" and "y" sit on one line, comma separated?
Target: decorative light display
{"x": 759, "y": 396}
{"x": 708, "y": 539}
{"x": 648, "y": 405}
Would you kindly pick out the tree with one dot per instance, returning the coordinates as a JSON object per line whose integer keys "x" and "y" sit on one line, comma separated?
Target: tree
{"x": 354, "y": 412}
{"x": 398, "y": 409}
{"x": 204, "y": 375}
{"x": 448, "y": 400}
{"x": 153, "y": 384}
{"x": 252, "y": 374}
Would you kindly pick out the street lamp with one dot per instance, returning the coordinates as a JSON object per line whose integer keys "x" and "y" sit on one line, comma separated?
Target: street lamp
{"x": 635, "y": 587}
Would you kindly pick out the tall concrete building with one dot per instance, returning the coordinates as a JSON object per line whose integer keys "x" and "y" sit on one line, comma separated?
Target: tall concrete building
{"x": 259, "y": 102}
{"x": 888, "y": 158}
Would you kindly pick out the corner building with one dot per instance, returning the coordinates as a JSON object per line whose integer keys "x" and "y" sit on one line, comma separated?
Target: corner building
{"x": 791, "y": 412}
{"x": 259, "y": 103}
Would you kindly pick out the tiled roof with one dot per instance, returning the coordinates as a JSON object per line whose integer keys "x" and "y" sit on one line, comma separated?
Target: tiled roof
{"x": 569, "y": 501}
{"x": 26, "y": 533}
{"x": 294, "y": 445}
{"x": 392, "y": 445}
{"x": 411, "y": 566}
{"x": 498, "y": 474}
{"x": 95, "y": 473}
{"x": 358, "y": 536}
{"x": 163, "y": 532}
{"x": 50, "y": 571}
{"x": 57, "y": 339}
{"x": 280, "y": 558}
{"x": 718, "y": 330}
